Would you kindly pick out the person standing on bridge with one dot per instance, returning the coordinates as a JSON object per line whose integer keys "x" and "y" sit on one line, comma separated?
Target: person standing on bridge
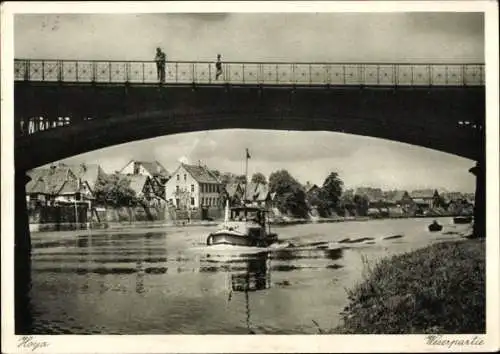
{"x": 160, "y": 59}
{"x": 218, "y": 67}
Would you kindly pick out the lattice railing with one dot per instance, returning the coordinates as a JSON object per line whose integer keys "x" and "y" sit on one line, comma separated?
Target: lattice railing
{"x": 252, "y": 73}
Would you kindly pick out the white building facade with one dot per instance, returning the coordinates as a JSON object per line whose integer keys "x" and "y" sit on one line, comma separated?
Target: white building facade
{"x": 192, "y": 187}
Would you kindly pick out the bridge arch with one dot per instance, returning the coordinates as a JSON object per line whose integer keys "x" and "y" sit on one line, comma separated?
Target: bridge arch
{"x": 63, "y": 142}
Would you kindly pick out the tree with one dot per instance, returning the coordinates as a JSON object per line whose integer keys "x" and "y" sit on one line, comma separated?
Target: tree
{"x": 317, "y": 200}
{"x": 332, "y": 190}
{"x": 290, "y": 195}
{"x": 362, "y": 204}
{"x": 259, "y": 178}
{"x": 346, "y": 202}
{"x": 115, "y": 191}
{"x": 240, "y": 179}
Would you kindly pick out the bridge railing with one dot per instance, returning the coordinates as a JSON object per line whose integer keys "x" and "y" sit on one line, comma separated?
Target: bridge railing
{"x": 278, "y": 73}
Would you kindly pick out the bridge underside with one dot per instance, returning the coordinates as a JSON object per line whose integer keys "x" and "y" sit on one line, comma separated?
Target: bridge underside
{"x": 449, "y": 119}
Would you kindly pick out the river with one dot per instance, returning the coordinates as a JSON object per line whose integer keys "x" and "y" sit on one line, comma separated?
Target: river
{"x": 166, "y": 281}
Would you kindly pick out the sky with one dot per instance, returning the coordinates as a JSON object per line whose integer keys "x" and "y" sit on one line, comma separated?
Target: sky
{"x": 320, "y": 37}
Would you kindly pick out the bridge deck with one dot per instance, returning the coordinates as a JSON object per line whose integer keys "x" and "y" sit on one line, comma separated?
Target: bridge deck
{"x": 278, "y": 73}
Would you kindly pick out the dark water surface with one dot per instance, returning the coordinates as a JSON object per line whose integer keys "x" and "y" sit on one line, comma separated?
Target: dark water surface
{"x": 166, "y": 281}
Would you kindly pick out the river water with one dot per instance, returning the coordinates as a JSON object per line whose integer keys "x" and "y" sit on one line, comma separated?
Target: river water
{"x": 166, "y": 281}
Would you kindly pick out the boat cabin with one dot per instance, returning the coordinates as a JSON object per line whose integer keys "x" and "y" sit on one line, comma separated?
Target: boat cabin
{"x": 246, "y": 214}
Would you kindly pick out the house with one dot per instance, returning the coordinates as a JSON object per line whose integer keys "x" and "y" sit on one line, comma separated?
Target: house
{"x": 192, "y": 187}
{"x": 312, "y": 192}
{"x": 143, "y": 187}
{"x": 56, "y": 184}
{"x": 157, "y": 173}
{"x": 89, "y": 173}
{"x": 426, "y": 198}
{"x": 233, "y": 192}
{"x": 258, "y": 194}
{"x": 310, "y": 188}
{"x": 400, "y": 199}
{"x": 74, "y": 190}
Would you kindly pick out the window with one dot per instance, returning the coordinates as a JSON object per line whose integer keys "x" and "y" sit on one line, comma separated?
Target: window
{"x": 192, "y": 188}
{"x": 177, "y": 177}
{"x": 177, "y": 202}
{"x": 177, "y": 189}
{"x": 185, "y": 177}
{"x": 192, "y": 201}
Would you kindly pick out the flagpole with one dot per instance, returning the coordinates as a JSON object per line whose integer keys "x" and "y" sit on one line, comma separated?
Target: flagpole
{"x": 246, "y": 176}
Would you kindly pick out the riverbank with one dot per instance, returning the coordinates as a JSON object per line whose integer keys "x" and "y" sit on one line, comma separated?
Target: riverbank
{"x": 436, "y": 289}
{"x": 162, "y": 224}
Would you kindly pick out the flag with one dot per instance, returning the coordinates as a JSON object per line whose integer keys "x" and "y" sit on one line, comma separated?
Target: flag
{"x": 248, "y": 154}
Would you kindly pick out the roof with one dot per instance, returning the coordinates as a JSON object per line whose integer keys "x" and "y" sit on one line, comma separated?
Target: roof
{"x": 154, "y": 168}
{"x": 395, "y": 196}
{"x": 373, "y": 194}
{"x": 311, "y": 187}
{"x": 422, "y": 193}
{"x": 308, "y": 187}
{"x": 256, "y": 191}
{"x": 71, "y": 187}
{"x": 232, "y": 188}
{"x": 87, "y": 172}
{"x": 48, "y": 180}
{"x": 454, "y": 196}
{"x": 201, "y": 174}
{"x": 137, "y": 182}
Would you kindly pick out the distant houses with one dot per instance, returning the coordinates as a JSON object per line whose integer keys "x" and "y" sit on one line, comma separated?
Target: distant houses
{"x": 195, "y": 187}
{"x": 426, "y": 199}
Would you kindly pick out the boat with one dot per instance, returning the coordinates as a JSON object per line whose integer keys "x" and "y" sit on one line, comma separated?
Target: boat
{"x": 435, "y": 226}
{"x": 462, "y": 219}
{"x": 244, "y": 226}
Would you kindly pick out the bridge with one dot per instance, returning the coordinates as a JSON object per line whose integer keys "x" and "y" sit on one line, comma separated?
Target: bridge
{"x": 68, "y": 107}
{"x": 439, "y": 106}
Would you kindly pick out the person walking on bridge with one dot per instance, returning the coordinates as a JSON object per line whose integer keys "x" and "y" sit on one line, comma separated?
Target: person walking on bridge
{"x": 218, "y": 67}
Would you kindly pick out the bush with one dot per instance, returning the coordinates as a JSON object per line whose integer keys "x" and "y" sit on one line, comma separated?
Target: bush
{"x": 437, "y": 289}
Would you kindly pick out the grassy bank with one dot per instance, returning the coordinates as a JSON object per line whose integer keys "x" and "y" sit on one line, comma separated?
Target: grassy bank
{"x": 437, "y": 289}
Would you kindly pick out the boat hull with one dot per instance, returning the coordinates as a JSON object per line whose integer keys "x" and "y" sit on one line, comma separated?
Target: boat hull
{"x": 462, "y": 219}
{"x": 223, "y": 238}
{"x": 435, "y": 228}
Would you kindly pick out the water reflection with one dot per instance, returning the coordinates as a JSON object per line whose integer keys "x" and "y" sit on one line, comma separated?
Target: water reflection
{"x": 257, "y": 275}
{"x": 166, "y": 282}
